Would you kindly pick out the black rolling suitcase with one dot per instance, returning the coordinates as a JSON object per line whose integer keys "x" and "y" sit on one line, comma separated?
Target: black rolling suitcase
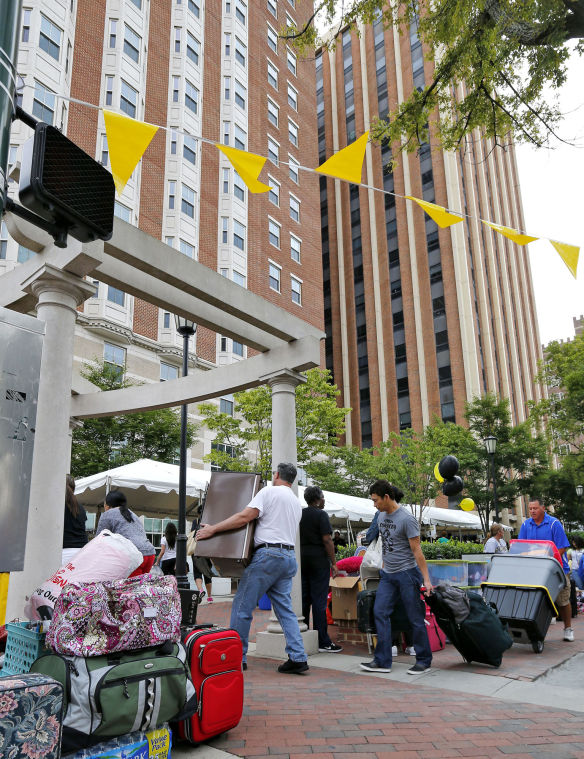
{"x": 481, "y": 637}
{"x": 366, "y": 621}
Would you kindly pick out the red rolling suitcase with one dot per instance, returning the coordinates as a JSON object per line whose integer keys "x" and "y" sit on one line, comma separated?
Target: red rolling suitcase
{"x": 215, "y": 656}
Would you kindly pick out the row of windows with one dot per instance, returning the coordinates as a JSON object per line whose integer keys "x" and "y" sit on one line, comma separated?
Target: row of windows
{"x": 187, "y": 202}
{"x": 274, "y": 278}
{"x": 115, "y": 357}
{"x": 132, "y": 40}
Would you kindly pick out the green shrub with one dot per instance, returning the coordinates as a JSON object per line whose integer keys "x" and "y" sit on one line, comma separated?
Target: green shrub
{"x": 344, "y": 551}
{"x": 575, "y": 533}
{"x": 454, "y": 549}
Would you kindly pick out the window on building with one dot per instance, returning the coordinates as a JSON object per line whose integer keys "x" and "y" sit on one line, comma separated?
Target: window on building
{"x": 238, "y": 278}
{"x": 173, "y": 141}
{"x": 12, "y": 154}
{"x": 187, "y": 205}
{"x": 293, "y": 169}
{"x": 238, "y": 234}
{"x": 273, "y": 151}
{"x": 187, "y": 249}
{"x": 175, "y": 89}
{"x": 128, "y": 100}
{"x": 227, "y": 88}
{"x": 3, "y": 241}
{"x": 224, "y": 229}
{"x": 24, "y": 254}
{"x": 229, "y": 450}
{"x": 113, "y": 32}
{"x": 237, "y": 348}
{"x": 240, "y": 95}
{"x": 296, "y": 285}
{"x": 291, "y": 61}
{"x": 272, "y": 75}
{"x": 166, "y": 320}
{"x": 137, "y": 3}
{"x": 191, "y": 97}
{"x": 177, "y": 38}
{"x": 122, "y": 211}
{"x": 168, "y": 372}
{"x": 104, "y": 150}
{"x": 228, "y": 6}
{"x": 240, "y": 140}
{"x": 292, "y": 97}
{"x": 274, "y": 191}
{"x": 223, "y": 345}
{"x": 224, "y": 272}
{"x": 195, "y": 8}
{"x": 273, "y": 7}
{"x": 132, "y": 44}
{"x": 95, "y": 284}
{"x": 109, "y": 90}
{"x": 115, "y": 357}
{"x": 171, "y": 194}
{"x": 226, "y": 406}
{"x": 293, "y": 132}
{"x": 169, "y": 241}
{"x": 294, "y": 208}
{"x": 295, "y": 247}
{"x": 241, "y": 11}
{"x": 238, "y": 187}
{"x": 43, "y": 104}
{"x": 274, "y": 233}
{"x": 193, "y": 49}
{"x": 50, "y": 38}
{"x": 274, "y": 277}
{"x": 240, "y": 52}
{"x": 272, "y": 39}
{"x": 225, "y": 173}
{"x": 116, "y": 296}
{"x": 227, "y": 43}
{"x": 273, "y": 113}
{"x": 226, "y": 132}
{"x": 25, "y": 37}
{"x": 68, "y": 57}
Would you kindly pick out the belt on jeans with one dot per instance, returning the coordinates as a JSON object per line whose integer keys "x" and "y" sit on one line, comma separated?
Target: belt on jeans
{"x": 273, "y": 545}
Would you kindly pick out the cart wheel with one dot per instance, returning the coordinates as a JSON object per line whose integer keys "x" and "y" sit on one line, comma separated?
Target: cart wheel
{"x": 537, "y": 646}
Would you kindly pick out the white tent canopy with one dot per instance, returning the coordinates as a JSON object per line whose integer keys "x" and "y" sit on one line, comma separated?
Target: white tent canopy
{"x": 151, "y": 487}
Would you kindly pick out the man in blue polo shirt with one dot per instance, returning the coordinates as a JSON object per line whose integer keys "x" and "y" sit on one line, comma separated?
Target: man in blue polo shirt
{"x": 542, "y": 526}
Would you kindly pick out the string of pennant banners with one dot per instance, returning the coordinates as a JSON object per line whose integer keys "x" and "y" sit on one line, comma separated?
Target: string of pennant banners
{"x": 128, "y": 140}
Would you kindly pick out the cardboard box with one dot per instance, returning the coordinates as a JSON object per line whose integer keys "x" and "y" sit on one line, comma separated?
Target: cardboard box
{"x": 344, "y": 595}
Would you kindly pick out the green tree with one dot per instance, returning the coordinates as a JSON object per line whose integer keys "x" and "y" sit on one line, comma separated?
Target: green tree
{"x": 507, "y": 55}
{"x": 104, "y": 442}
{"x": 319, "y": 423}
{"x": 345, "y": 469}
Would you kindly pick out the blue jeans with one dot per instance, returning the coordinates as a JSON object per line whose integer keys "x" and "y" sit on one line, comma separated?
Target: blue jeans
{"x": 270, "y": 571}
{"x": 405, "y": 585}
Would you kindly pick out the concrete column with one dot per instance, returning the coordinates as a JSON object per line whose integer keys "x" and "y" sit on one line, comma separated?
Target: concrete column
{"x": 283, "y": 385}
{"x": 58, "y": 295}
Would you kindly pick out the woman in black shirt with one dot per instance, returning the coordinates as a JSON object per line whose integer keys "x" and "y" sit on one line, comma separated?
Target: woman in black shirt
{"x": 74, "y": 534}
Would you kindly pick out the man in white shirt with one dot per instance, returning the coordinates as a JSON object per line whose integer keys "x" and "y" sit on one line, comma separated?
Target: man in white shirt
{"x": 273, "y": 565}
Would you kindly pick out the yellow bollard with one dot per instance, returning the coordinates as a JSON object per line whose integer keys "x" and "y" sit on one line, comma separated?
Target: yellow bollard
{"x": 4, "y": 577}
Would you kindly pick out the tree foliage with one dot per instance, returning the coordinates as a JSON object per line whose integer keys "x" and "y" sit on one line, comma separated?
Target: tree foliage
{"x": 503, "y": 57}
{"x": 104, "y": 442}
{"x": 248, "y": 433}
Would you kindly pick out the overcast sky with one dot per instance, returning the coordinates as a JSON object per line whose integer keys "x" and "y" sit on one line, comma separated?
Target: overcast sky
{"x": 552, "y": 188}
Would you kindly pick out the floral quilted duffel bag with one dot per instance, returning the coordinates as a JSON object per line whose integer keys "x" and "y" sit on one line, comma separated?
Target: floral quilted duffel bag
{"x": 96, "y": 618}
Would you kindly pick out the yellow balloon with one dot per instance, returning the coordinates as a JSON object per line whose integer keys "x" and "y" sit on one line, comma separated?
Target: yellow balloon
{"x": 467, "y": 504}
{"x": 437, "y": 474}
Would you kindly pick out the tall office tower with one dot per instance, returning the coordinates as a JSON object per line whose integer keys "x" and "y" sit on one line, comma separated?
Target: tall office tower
{"x": 215, "y": 70}
{"x": 418, "y": 319}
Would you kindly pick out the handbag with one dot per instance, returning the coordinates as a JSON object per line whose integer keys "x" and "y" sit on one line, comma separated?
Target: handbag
{"x": 373, "y": 558}
{"x": 96, "y": 618}
{"x": 191, "y": 543}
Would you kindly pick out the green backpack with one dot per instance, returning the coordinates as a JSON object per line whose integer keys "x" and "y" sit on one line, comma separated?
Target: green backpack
{"x": 111, "y": 695}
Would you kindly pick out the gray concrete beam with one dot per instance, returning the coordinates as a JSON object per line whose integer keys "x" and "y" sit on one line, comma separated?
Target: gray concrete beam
{"x": 135, "y": 247}
{"x": 299, "y": 355}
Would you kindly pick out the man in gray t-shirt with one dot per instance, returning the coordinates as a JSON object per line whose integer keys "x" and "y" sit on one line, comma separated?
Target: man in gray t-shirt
{"x": 404, "y": 571}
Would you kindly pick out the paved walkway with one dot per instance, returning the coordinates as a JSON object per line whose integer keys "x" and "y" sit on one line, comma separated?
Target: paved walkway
{"x": 337, "y": 710}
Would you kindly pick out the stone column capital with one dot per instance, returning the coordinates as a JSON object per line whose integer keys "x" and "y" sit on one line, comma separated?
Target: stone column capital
{"x": 52, "y": 285}
{"x": 286, "y": 376}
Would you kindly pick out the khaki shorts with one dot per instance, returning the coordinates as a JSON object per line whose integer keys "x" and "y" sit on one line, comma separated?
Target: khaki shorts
{"x": 563, "y": 598}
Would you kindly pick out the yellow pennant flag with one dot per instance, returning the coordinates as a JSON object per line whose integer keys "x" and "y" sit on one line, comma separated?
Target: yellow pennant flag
{"x": 510, "y": 234}
{"x": 248, "y": 166}
{"x": 569, "y": 254}
{"x": 127, "y": 141}
{"x": 348, "y": 162}
{"x": 439, "y": 214}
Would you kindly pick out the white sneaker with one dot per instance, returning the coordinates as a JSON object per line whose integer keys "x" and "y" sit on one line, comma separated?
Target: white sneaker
{"x": 553, "y": 621}
{"x": 569, "y": 634}
{"x": 411, "y": 651}
{"x": 394, "y": 650}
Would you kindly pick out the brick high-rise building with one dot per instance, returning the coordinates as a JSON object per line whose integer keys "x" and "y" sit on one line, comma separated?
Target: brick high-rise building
{"x": 215, "y": 70}
{"x": 418, "y": 319}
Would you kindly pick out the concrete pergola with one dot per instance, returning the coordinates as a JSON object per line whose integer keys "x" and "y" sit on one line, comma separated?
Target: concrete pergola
{"x": 53, "y": 283}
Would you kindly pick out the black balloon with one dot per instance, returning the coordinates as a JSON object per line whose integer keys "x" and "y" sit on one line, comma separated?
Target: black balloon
{"x": 453, "y": 485}
{"x": 448, "y": 467}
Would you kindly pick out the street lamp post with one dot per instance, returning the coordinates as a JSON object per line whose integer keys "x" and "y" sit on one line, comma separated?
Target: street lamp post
{"x": 579, "y": 493}
{"x": 187, "y": 329}
{"x": 491, "y": 446}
